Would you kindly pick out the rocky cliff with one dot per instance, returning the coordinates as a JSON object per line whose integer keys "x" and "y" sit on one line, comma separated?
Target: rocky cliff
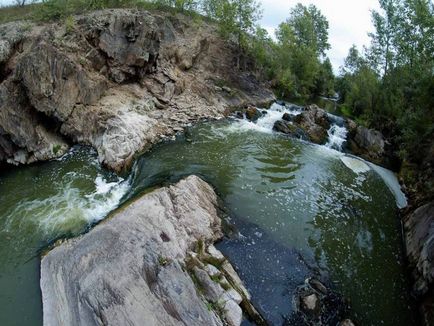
{"x": 419, "y": 241}
{"x": 151, "y": 263}
{"x": 118, "y": 80}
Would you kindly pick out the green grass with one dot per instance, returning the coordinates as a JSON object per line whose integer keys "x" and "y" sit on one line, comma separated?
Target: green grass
{"x": 52, "y": 10}
{"x": 13, "y": 13}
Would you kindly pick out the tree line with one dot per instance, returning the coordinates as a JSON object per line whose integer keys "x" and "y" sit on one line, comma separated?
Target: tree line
{"x": 389, "y": 85}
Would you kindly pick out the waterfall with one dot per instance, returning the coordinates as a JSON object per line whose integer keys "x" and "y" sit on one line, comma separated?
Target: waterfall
{"x": 337, "y": 137}
{"x": 337, "y": 134}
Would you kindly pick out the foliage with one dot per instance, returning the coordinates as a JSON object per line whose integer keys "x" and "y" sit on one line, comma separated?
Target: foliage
{"x": 391, "y": 85}
{"x": 298, "y": 64}
{"x": 309, "y": 28}
{"x": 236, "y": 18}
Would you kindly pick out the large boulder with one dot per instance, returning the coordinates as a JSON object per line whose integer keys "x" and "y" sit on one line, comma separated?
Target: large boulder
{"x": 25, "y": 135}
{"x": 55, "y": 84}
{"x": 419, "y": 240}
{"x": 290, "y": 129}
{"x": 364, "y": 142}
{"x": 128, "y": 42}
{"x": 315, "y": 122}
{"x": 136, "y": 267}
{"x": 253, "y": 114}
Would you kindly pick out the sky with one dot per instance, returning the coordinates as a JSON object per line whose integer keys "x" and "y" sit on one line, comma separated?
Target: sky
{"x": 349, "y": 20}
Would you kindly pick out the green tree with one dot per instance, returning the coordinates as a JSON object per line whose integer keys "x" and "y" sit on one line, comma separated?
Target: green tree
{"x": 309, "y": 27}
{"x": 325, "y": 80}
{"x": 237, "y": 19}
{"x": 184, "y": 5}
{"x": 302, "y": 40}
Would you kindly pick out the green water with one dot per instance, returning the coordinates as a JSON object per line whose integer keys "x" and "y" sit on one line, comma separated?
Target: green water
{"x": 38, "y": 204}
{"x": 300, "y": 197}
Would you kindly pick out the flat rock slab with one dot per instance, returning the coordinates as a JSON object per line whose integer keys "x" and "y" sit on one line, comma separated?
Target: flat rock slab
{"x": 129, "y": 270}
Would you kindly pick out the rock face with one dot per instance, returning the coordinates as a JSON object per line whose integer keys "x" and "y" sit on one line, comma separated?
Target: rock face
{"x": 119, "y": 80}
{"x": 365, "y": 142}
{"x": 135, "y": 268}
{"x": 419, "y": 240}
{"x": 311, "y": 125}
{"x": 314, "y": 121}
{"x": 290, "y": 129}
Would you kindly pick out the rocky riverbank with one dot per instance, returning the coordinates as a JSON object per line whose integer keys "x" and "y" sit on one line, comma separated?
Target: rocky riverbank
{"x": 118, "y": 80}
{"x": 150, "y": 263}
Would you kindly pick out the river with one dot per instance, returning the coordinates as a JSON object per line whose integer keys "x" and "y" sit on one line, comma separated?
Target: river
{"x": 294, "y": 209}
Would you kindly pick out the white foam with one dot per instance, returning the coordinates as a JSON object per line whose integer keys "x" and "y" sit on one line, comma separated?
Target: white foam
{"x": 265, "y": 123}
{"x": 355, "y": 164}
{"x": 392, "y": 183}
{"x": 70, "y": 209}
{"x": 360, "y": 166}
{"x": 337, "y": 137}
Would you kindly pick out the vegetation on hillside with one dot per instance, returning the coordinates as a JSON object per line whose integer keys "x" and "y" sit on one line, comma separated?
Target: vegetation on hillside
{"x": 390, "y": 85}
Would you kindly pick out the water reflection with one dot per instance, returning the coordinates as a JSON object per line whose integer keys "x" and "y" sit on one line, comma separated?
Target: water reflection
{"x": 349, "y": 238}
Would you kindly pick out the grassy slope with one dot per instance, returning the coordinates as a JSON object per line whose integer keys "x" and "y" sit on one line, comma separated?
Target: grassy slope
{"x": 12, "y": 13}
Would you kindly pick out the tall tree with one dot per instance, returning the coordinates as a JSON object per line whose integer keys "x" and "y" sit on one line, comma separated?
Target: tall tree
{"x": 309, "y": 27}
{"x": 302, "y": 41}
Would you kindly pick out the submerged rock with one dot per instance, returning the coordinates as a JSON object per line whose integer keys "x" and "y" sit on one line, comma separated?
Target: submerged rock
{"x": 318, "y": 305}
{"x": 131, "y": 269}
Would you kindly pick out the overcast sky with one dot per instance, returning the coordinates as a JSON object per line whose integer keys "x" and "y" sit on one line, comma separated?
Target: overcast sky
{"x": 350, "y": 21}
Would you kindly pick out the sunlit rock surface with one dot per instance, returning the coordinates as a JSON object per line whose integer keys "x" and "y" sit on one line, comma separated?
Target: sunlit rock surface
{"x": 135, "y": 268}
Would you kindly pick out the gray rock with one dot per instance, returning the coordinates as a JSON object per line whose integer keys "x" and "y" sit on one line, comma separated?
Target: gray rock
{"x": 346, "y": 322}
{"x": 24, "y": 135}
{"x": 211, "y": 270}
{"x": 315, "y": 122}
{"x": 290, "y": 129}
{"x": 211, "y": 290}
{"x": 287, "y": 117}
{"x": 89, "y": 85}
{"x": 318, "y": 286}
{"x": 128, "y": 269}
{"x": 233, "y": 295}
{"x": 128, "y": 39}
{"x": 367, "y": 143}
{"x": 310, "y": 302}
{"x": 233, "y": 313}
{"x": 12, "y": 34}
{"x": 54, "y": 83}
{"x": 214, "y": 252}
{"x": 253, "y": 114}
{"x": 419, "y": 240}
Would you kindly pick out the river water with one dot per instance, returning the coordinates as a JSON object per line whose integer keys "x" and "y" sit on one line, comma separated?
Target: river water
{"x": 295, "y": 209}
